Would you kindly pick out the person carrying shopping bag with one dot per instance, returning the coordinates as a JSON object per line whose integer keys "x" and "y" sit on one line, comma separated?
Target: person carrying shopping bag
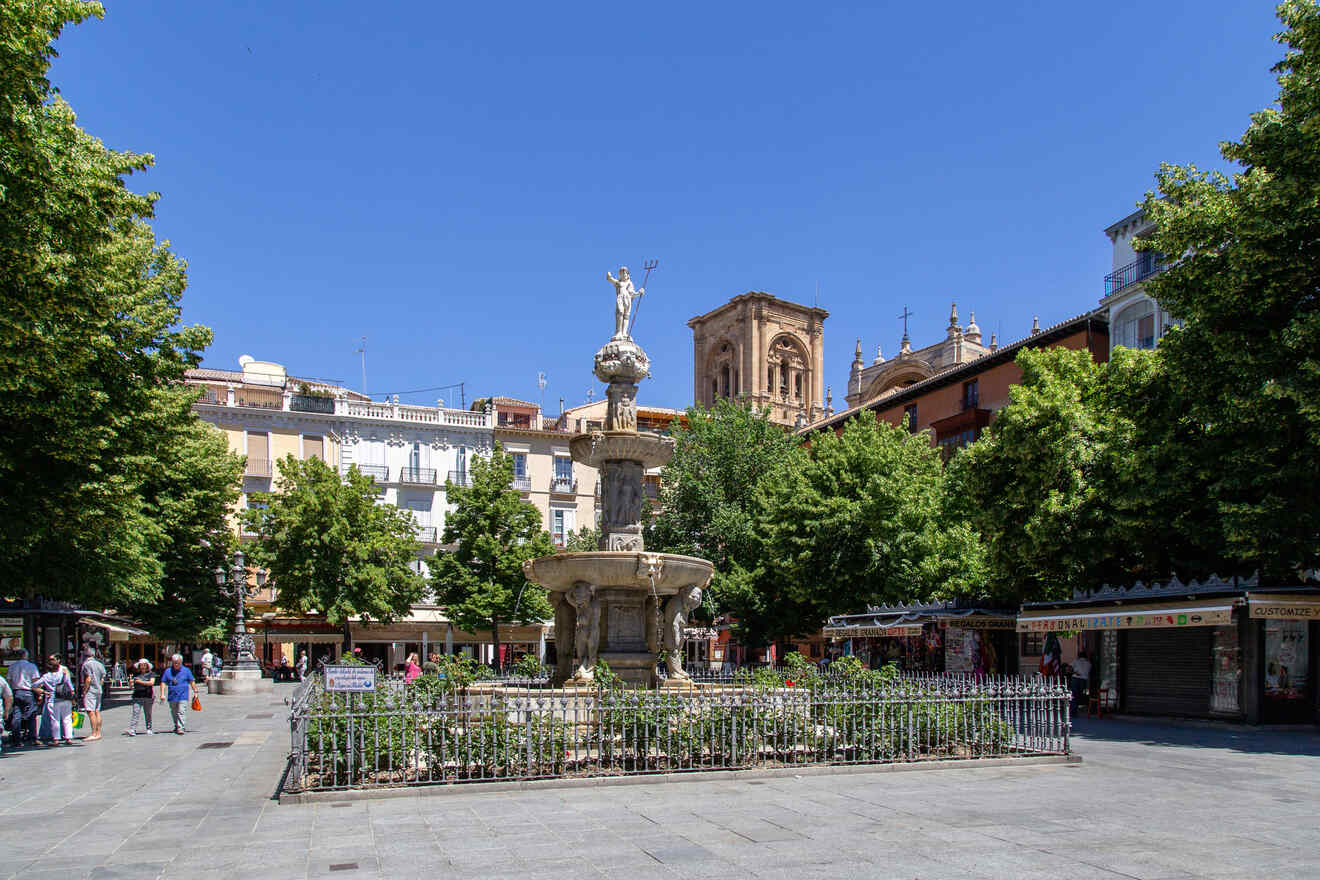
{"x": 178, "y": 687}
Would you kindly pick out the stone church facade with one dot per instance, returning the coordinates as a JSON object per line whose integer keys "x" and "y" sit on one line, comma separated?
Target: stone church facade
{"x": 766, "y": 350}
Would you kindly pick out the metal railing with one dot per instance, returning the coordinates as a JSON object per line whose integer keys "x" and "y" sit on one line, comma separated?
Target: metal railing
{"x": 461, "y": 478}
{"x": 262, "y": 398}
{"x": 1139, "y": 269}
{"x": 522, "y": 484}
{"x": 427, "y": 733}
{"x": 257, "y": 467}
{"x": 563, "y": 484}
{"x": 378, "y": 472}
{"x": 427, "y": 534}
{"x": 417, "y": 476}
{"x": 312, "y": 403}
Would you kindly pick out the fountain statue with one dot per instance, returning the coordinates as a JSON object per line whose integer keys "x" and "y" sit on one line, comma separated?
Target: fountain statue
{"x": 608, "y": 603}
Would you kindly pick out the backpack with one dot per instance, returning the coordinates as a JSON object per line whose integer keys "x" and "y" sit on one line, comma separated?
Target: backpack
{"x": 64, "y": 689}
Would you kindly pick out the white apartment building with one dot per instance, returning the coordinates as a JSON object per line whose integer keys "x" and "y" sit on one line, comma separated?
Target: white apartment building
{"x": 1135, "y": 319}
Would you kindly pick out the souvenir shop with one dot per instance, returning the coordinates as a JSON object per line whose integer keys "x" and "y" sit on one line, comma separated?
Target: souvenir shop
{"x": 1216, "y": 649}
{"x": 951, "y": 637}
{"x": 43, "y": 628}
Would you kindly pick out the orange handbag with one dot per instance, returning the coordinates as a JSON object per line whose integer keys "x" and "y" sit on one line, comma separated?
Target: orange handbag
{"x": 196, "y": 703}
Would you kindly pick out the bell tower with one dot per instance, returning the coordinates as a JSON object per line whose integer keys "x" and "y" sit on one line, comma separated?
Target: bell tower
{"x": 763, "y": 349}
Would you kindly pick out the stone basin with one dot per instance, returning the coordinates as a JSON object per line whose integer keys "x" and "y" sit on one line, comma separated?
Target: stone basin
{"x": 652, "y": 450}
{"x": 615, "y": 569}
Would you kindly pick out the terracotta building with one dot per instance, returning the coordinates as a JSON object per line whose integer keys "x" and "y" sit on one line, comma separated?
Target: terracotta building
{"x": 766, "y": 350}
{"x": 958, "y": 401}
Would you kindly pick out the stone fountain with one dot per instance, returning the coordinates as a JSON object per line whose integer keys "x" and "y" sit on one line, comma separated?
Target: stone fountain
{"x": 621, "y": 604}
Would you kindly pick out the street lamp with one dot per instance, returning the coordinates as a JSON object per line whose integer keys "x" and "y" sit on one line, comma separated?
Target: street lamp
{"x": 234, "y": 582}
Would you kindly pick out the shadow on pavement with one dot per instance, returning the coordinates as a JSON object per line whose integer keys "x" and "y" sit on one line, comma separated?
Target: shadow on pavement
{"x": 1302, "y": 740}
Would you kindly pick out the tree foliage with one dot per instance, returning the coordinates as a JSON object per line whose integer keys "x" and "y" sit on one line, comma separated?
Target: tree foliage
{"x": 858, "y": 521}
{"x": 1086, "y": 477}
{"x": 331, "y": 548}
{"x": 89, "y": 339}
{"x": 710, "y": 501}
{"x": 1243, "y": 278}
{"x": 481, "y": 583}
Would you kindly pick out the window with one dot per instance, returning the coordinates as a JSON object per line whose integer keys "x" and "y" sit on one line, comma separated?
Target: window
{"x": 314, "y": 447}
{"x": 953, "y": 442}
{"x": 563, "y": 481}
{"x": 415, "y": 457}
{"x": 461, "y": 460}
{"x": 557, "y": 527}
{"x": 724, "y": 379}
{"x": 910, "y": 416}
{"x": 1033, "y": 644}
{"x": 258, "y": 454}
{"x": 519, "y": 465}
{"x": 971, "y": 395}
{"x": 797, "y": 386}
{"x": 1135, "y": 326}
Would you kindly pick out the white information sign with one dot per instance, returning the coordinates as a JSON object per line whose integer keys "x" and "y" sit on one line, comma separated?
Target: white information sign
{"x": 354, "y": 679}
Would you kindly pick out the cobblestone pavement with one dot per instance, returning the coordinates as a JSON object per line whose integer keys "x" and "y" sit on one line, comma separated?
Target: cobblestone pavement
{"x": 1149, "y": 801}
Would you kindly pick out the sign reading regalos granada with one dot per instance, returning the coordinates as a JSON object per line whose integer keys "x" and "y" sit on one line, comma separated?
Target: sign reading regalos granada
{"x": 354, "y": 679}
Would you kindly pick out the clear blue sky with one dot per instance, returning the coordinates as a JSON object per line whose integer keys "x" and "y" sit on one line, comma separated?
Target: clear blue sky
{"x": 453, "y": 180}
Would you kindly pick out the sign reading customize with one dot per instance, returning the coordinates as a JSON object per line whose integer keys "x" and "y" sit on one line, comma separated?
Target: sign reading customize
{"x": 1283, "y": 608}
{"x": 354, "y": 679}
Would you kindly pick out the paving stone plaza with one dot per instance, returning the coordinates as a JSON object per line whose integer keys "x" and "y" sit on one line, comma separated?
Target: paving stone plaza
{"x": 1148, "y": 801}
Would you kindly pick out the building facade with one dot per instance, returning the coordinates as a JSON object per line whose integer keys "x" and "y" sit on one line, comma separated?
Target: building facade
{"x": 1135, "y": 319}
{"x": 765, "y": 350}
{"x": 961, "y": 345}
{"x": 957, "y": 403}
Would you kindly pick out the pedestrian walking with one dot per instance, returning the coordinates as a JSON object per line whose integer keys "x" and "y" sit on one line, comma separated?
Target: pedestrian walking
{"x": 144, "y": 696}
{"x": 7, "y": 697}
{"x": 93, "y": 679}
{"x": 178, "y": 687}
{"x": 207, "y": 659}
{"x": 217, "y": 663}
{"x": 57, "y": 688}
{"x": 22, "y": 675}
{"x": 302, "y": 666}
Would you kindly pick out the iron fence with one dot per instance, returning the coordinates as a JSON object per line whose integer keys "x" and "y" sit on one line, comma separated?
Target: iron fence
{"x": 428, "y": 733}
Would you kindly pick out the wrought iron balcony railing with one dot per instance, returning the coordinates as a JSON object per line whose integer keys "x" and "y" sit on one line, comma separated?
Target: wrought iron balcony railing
{"x": 427, "y": 534}
{"x": 563, "y": 484}
{"x": 522, "y": 484}
{"x": 1144, "y": 266}
{"x": 378, "y": 472}
{"x": 312, "y": 403}
{"x": 460, "y": 478}
{"x": 257, "y": 467}
{"x": 417, "y": 476}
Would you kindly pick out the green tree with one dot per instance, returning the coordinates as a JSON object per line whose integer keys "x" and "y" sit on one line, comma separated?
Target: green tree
{"x": 330, "y": 547}
{"x": 1243, "y": 278}
{"x": 584, "y": 540}
{"x": 710, "y": 500}
{"x": 89, "y": 337}
{"x": 188, "y": 500}
{"x": 858, "y": 522}
{"x": 1088, "y": 476}
{"x": 481, "y": 583}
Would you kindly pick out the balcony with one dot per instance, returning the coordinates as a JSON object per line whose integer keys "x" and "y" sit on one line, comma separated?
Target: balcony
{"x": 261, "y": 398}
{"x": 417, "y": 476}
{"x": 378, "y": 472}
{"x": 427, "y": 534}
{"x": 312, "y": 403}
{"x": 1140, "y": 269}
{"x": 461, "y": 478}
{"x": 257, "y": 467}
{"x": 522, "y": 484}
{"x": 563, "y": 485}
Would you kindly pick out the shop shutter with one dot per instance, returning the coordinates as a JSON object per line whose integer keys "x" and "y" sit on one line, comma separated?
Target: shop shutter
{"x": 1167, "y": 671}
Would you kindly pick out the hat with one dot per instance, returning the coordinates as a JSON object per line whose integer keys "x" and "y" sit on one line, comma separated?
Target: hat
{"x": 143, "y": 660}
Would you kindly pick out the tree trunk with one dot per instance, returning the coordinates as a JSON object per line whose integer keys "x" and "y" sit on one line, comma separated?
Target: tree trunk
{"x": 495, "y": 637}
{"x": 348, "y": 639}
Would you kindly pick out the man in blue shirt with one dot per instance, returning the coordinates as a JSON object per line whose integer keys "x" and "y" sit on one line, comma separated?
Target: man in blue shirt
{"x": 177, "y": 687}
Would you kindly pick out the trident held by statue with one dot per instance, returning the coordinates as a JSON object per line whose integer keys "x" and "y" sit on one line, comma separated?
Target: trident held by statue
{"x": 648, "y": 266}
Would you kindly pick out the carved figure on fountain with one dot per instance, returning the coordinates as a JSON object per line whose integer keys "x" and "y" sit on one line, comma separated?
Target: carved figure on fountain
{"x": 621, "y": 409}
{"x": 677, "y": 610}
{"x": 621, "y": 360}
{"x": 586, "y": 636}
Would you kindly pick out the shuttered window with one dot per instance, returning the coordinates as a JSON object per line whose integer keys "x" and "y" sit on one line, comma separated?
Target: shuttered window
{"x": 314, "y": 447}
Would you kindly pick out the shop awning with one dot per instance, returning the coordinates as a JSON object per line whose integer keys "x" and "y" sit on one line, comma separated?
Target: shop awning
{"x": 1170, "y": 615}
{"x": 1282, "y": 607}
{"x": 892, "y": 630}
{"x": 121, "y": 628}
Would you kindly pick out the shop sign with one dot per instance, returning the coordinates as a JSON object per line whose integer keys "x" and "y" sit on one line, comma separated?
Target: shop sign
{"x": 1282, "y": 610}
{"x": 977, "y": 623}
{"x": 353, "y": 679}
{"x": 1171, "y": 619}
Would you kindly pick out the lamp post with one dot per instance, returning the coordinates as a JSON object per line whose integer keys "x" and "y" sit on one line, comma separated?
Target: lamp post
{"x": 242, "y": 649}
